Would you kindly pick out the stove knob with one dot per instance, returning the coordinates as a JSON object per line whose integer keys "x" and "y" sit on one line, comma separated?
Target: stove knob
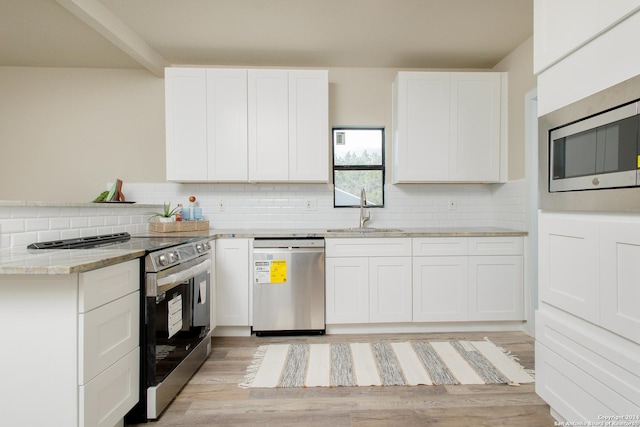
{"x": 173, "y": 257}
{"x": 206, "y": 246}
{"x": 199, "y": 247}
{"x": 162, "y": 259}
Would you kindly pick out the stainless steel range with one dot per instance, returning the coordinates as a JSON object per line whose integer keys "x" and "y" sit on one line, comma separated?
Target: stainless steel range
{"x": 175, "y": 311}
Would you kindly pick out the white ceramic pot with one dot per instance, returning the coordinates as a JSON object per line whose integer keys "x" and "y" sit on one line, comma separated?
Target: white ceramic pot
{"x": 165, "y": 219}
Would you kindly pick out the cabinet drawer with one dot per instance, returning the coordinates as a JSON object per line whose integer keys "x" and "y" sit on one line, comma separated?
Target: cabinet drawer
{"x": 440, "y": 246}
{"x": 589, "y": 362}
{"x": 106, "y": 334}
{"x": 98, "y": 287}
{"x": 106, "y": 399}
{"x": 495, "y": 245}
{"x": 368, "y": 247}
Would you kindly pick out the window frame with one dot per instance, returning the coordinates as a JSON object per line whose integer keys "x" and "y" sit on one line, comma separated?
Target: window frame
{"x": 335, "y": 167}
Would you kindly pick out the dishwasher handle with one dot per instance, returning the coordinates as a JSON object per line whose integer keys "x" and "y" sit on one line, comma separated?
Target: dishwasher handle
{"x": 288, "y": 243}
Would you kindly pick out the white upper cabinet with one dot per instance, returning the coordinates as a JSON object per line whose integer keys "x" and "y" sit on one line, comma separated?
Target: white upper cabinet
{"x": 227, "y": 125}
{"x": 186, "y": 124}
{"x": 206, "y": 124}
{"x": 309, "y": 126}
{"x": 233, "y": 125}
{"x": 562, "y": 26}
{"x": 449, "y": 127}
{"x": 268, "y": 125}
{"x": 288, "y": 125}
{"x": 421, "y": 127}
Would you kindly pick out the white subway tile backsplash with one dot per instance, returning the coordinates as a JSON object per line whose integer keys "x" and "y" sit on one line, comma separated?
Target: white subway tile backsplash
{"x": 36, "y": 224}
{"x": 276, "y": 206}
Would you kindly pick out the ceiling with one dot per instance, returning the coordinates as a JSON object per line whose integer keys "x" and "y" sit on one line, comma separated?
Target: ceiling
{"x": 271, "y": 33}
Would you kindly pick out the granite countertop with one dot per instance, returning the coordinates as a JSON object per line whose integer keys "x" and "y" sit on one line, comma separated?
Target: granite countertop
{"x": 368, "y": 232}
{"x": 20, "y": 260}
{"x": 61, "y": 261}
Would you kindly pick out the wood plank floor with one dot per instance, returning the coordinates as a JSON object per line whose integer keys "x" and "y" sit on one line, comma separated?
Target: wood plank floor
{"x": 213, "y": 398}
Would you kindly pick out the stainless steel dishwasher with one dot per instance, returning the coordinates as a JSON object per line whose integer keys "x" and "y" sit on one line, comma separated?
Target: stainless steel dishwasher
{"x": 288, "y": 286}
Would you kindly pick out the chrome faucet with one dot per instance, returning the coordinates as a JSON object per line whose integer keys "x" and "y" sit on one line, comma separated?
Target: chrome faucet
{"x": 363, "y": 202}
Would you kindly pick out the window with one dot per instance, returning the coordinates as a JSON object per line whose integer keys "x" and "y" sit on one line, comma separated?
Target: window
{"x": 358, "y": 163}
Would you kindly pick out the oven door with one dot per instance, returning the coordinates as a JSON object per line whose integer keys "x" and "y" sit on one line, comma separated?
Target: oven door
{"x": 176, "y": 328}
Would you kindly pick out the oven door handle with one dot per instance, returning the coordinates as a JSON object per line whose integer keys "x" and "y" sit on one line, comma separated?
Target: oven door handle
{"x": 187, "y": 274}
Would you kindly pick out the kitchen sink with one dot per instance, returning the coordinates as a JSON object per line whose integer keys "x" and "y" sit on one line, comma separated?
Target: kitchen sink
{"x": 364, "y": 230}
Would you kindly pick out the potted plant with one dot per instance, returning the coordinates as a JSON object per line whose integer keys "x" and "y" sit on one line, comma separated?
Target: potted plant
{"x": 167, "y": 214}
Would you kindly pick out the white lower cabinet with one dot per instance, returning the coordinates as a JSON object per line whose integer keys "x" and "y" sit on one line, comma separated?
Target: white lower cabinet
{"x": 587, "y": 325}
{"x": 232, "y": 282}
{"x": 461, "y": 279}
{"x": 440, "y": 288}
{"x": 80, "y": 365}
{"x": 347, "y": 289}
{"x": 496, "y": 288}
{"x": 390, "y": 289}
{"x": 368, "y": 280}
{"x": 430, "y": 279}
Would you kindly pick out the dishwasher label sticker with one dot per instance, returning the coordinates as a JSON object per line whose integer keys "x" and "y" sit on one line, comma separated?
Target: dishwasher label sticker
{"x": 274, "y": 271}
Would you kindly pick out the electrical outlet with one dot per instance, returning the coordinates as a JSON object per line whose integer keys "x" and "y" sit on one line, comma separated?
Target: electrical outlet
{"x": 453, "y": 204}
{"x": 221, "y": 205}
{"x": 310, "y": 205}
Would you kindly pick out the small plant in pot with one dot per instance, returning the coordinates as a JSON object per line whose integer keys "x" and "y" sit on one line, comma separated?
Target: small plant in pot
{"x": 166, "y": 215}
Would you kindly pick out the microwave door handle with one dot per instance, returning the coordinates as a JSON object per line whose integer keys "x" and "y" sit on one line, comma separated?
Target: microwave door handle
{"x": 171, "y": 280}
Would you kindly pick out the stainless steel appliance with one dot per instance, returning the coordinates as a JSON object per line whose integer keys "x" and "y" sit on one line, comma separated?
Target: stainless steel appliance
{"x": 177, "y": 312}
{"x": 597, "y": 152}
{"x": 175, "y": 335}
{"x": 620, "y": 198}
{"x": 288, "y": 286}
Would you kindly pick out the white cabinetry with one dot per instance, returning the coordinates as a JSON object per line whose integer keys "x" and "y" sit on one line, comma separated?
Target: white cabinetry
{"x": 440, "y": 288}
{"x": 368, "y": 280}
{"x": 288, "y": 125}
{"x": 448, "y": 127}
{"x": 619, "y": 279}
{"x": 347, "y": 283}
{"x": 460, "y": 279}
{"x": 76, "y": 349}
{"x": 206, "y": 124}
{"x": 587, "y": 19}
{"x": 587, "y": 326}
{"x": 568, "y": 258}
{"x": 186, "y": 124}
{"x": 232, "y": 282}
{"x": 236, "y": 125}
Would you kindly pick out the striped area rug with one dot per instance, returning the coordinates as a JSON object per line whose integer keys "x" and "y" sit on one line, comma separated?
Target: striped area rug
{"x": 383, "y": 364}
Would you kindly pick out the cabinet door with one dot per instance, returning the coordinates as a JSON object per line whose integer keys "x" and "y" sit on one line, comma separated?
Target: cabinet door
{"x": 268, "y": 125}
{"x": 475, "y": 127}
{"x": 390, "y": 289}
{"x": 619, "y": 273}
{"x": 227, "y": 125}
{"x": 309, "y": 126}
{"x": 568, "y": 264}
{"x": 186, "y": 124}
{"x": 347, "y": 290}
{"x": 421, "y": 137}
{"x": 496, "y": 288}
{"x": 440, "y": 288}
{"x": 232, "y": 282}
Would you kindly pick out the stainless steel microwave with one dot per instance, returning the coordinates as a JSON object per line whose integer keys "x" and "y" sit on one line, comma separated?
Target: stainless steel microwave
{"x": 598, "y": 152}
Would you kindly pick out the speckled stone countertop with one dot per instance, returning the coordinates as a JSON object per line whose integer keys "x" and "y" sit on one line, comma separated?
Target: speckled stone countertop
{"x": 20, "y": 260}
{"x": 368, "y": 232}
{"x": 61, "y": 261}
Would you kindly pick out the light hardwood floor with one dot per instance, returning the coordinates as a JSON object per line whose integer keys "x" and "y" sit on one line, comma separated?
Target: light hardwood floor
{"x": 213, "y": 398}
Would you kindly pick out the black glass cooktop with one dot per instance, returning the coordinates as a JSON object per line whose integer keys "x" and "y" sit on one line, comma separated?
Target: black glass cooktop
{"x": 116, "y": 241}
